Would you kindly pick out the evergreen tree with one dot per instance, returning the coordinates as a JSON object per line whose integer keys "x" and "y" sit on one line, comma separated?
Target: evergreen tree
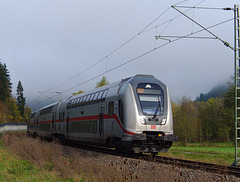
{"x": 21, "y": 101}
{"x": 102, "y": 82}
{"x": 5, "y": 84}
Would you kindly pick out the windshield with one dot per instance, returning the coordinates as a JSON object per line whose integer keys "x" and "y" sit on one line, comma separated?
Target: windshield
{"x": 151, "y": 99}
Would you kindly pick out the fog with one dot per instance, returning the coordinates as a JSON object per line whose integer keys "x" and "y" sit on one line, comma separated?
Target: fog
{"x": 47, "y": 45}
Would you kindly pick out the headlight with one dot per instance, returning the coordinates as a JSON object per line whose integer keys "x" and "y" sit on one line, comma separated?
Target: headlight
{"x": 164, "y": 120}
{"x": 142, "y": 120}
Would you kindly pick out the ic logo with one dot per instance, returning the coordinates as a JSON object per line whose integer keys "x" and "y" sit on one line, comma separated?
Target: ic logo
{"x": 148, "y": 86}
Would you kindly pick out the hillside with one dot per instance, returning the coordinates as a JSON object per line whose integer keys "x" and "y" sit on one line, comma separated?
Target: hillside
{"x": 217, "y": 91}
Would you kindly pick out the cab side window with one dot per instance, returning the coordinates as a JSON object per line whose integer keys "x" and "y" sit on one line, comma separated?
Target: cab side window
{"x": 110, "y": 108}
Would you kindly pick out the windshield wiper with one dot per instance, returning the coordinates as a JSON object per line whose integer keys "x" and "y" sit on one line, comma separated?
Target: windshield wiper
{"x": 158, "y": 106}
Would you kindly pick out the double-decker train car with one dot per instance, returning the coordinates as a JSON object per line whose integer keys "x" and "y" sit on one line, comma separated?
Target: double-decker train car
{"x": 133, "y": 114}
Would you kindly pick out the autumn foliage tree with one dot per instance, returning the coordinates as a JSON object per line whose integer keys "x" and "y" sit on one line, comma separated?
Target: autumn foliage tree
{"x": 102, "y": 82}
{"x": 9, "y": 110}
{"x": 186, "y": 121}
{"x": 200, "y": 121}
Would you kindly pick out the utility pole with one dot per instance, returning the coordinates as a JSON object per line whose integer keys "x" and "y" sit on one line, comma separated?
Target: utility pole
{"x": 237, "y": 82}
{"x": 236, "y": 50}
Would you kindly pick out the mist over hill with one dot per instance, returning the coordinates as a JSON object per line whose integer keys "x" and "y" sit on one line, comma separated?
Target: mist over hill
{"x": 217, "y": 91}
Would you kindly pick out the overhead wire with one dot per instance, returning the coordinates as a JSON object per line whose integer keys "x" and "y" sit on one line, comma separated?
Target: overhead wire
{"x": 173, "y": 17}
{"x": 119, "y": 47}
{"x": 224, "y": 42}
{"x": 131, "y": 60}
{"x": 112, "y": 52}
{"x": 148, "y": 52}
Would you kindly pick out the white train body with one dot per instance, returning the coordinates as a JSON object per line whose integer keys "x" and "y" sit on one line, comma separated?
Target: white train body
{"x": 133, "y": 114}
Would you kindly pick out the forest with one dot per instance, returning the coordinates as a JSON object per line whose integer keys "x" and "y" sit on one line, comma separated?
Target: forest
{"x": 12, "y": 110}
{"x": 205, "y": 121}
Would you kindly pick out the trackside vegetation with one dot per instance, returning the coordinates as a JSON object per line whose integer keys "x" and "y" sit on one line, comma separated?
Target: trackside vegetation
{"x": 24, "y": 158}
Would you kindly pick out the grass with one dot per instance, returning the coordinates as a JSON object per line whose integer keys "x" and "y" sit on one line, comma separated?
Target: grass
{"x": 218, "y": 153}
{"x": 13, "y": 168}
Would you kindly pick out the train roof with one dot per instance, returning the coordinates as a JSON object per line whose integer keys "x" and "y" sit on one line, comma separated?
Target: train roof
{"x": 125, "y": 80}
{"x": 133, "y": 79}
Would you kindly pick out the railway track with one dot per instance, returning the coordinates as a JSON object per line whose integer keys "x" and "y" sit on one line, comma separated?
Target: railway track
{"x": 194, "y": 165}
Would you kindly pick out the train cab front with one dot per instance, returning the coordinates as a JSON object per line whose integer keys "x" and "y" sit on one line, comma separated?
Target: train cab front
{"x": 154, "y": 122}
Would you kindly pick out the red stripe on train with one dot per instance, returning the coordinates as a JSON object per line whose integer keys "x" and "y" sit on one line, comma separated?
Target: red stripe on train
{"x": 96, "y": 117}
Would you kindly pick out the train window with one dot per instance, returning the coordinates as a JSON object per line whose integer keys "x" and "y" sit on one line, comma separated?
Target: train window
{"x": 95, "y": 97}
{"x": 78, "y": 102}
{"x": 110, "y": 108}
{"x": 151, "y": 98}
{"x": 87, "y": 127}
{"x": 69, "y": 104}
{"x": 90, "y": 126}
{"x": 32, "y": 115}
{"x": 78, "y": 127}
{"x": 47, "y": 110}
{"x": 91, "y": 98}
{"x": 88, "y": 97}
{"x": 81, "y": 127}
{"x": 100, "y": 96}
{"x": 84, "y": 127}
{"x": 70, "y": 127}
{"x": 73, "y": 103}
{"x": 95, "y": 126}
{"x": 104, "y": 94}
{"x": 83, "y": 100}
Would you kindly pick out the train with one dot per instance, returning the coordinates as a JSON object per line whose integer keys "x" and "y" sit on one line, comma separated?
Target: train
{"x": 133, "y": 114}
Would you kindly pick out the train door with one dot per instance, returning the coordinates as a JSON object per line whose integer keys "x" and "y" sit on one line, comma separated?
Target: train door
{"x": 37, "y": 122}
{"x": 101, "y": 122}
{"x": 53, "y": 119}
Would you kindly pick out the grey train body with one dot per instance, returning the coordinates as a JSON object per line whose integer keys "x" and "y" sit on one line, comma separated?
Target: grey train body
{"x": 133, "y": 114}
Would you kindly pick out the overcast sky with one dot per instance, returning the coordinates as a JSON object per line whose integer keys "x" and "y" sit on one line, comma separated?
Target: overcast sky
{"x": 47, "y": 42}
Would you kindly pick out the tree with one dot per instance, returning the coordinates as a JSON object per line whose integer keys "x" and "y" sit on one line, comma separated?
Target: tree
{"x": 13, "y": 113}
{"x": 186, "y": 121}
{"x": 229, "y": 111}
{"x": 28, "y": 112}
{"x": 21, "y": 101}
{"x": 102, "y": 82}
{"x": 78, "y": 92}
{"x": 5, "y": 84}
